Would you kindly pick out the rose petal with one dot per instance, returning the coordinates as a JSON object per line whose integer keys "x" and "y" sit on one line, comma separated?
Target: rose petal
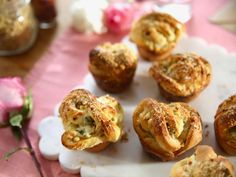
{"x": 3, "y": 113}
{"x": 12, "y": 93}
{"x": 118, "y": 17}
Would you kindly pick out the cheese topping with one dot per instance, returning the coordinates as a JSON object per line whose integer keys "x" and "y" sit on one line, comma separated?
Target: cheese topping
{"x": 156, "y": 31}
{"x": 182, "y": 74}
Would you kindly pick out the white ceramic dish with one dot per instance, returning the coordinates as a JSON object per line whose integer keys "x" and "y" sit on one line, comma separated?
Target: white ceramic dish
{"x": 128, "y": 158}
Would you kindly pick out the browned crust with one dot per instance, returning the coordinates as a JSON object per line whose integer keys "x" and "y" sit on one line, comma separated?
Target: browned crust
{"x": 113, "y": 86}
{"x": 112, "y": 66}
{"x": 99, "y": 147}
{"x": 78, "y": 103}
{"x": 152, "y": 56}
{"x": 157, "y": 138}
{"x": 181, "y": 77}
{"x": 204, "y": 162}
{"x": 225, "y": 119}
{"x": 174, "y": 98}
{"x": 102, "y": 146}
{"x": 155, "y": 35}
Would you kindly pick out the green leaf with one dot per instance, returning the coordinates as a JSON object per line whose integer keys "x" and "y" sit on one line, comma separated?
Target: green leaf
{"x": 7, "y": 155}
{"x": 27, "y": 107}
{"x": 16, "y": 120}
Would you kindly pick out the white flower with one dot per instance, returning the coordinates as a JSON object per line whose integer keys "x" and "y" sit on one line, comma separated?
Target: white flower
{"x": 87, "y": 16}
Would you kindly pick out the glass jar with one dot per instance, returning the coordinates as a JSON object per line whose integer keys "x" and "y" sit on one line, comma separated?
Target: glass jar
{"x": 18, "y": 27}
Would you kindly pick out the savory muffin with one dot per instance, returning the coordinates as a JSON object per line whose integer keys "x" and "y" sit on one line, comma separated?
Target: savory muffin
{"x": 181, "y": 77}
{"x": 112, "y": 66}
{"x": 203, "y": 163}
{"x": 90, "y": 122}
{"x": 167, "y": 130}
{"x": 155, "y": 35}
{"x": 225, "y": 125}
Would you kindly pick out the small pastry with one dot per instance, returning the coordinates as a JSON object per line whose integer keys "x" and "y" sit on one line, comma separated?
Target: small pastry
{"x": 225, "y": 125}
{"x": 167, "y": 130}
{"x": 181, "y": 77}
{"x": 203, "y": 163}
{"x": 112, "y": 66}
{"x": 155, "y": 35}
{"x": 90, "y": 122}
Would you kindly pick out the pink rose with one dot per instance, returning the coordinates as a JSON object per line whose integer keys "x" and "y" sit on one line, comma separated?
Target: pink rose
{"x": 118, "y": 17}
{"x": 3, "y": 113}
{"x": 12, "y": 93}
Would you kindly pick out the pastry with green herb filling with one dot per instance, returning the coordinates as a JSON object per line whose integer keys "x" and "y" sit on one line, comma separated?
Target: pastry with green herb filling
{"x": 181, "y": 77}
{"x": 155, "y": 35}
{"x": 203, "y": 163}
{"x": 225, "y": 125}
{"x": 167, "y": 130}
{"x": 90, "y": 122}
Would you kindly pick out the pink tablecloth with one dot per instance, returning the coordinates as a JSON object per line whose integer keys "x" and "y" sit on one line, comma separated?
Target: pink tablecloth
{"x": 64, "y": 67}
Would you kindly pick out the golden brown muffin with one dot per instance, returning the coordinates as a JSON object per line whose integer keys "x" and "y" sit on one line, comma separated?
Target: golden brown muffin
{"x": 203, "y": 163}
{"x": 155, "y": 35}
{"x": 112, "y": 66}
{"x": 225, "y": 125}
{"x": 167, "y": 130}
{"x": 181, "y": 77}
{"x": 90, "y": 122}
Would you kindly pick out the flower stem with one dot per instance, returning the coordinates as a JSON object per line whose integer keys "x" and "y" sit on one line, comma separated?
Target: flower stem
{"x": 4, "y": 125}
{"x": 32, "y": 153}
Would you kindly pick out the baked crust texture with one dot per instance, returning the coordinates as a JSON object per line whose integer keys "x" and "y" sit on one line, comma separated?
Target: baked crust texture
{"x": 167, "y": 130}
{"x": 225, "y": 125}
{"x": 90, "y": 121}
{"x": 181, "y": 77}
{"x": 113, "y": 66}
{"x": 155, "y": 35}
{"x": 203, "y": 163}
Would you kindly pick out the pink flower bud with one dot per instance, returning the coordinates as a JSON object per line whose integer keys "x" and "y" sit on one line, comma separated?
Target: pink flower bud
{"x": 118, "y": 17}
{"x": 12, "y": 93}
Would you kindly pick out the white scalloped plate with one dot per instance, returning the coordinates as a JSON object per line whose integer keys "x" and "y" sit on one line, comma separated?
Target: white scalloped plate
{"x": 127, "y": 158}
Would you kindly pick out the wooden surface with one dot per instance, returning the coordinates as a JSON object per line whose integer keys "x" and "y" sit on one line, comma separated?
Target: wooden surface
{"x": 20, "y": 65}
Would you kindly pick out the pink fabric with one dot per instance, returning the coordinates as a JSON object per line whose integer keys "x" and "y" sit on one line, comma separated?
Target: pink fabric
{"x": 199, "y": 25}
{"x": 57, "y": 72}
{"x": 65, "y": 65}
